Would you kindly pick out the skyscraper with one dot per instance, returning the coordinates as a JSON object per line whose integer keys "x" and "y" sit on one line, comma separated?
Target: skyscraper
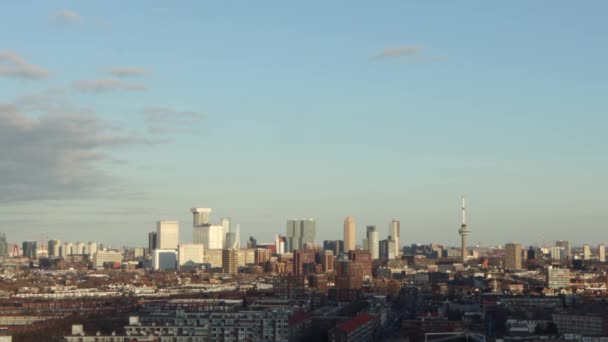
{"x": 29, "y": 249}
{"x": 567, "y": 250}
{"x": 3, "y": 245}
{"x": 586, "y": 252}
{"x": 513, "y": 256}
{"x": 201, "y": 216}
{"x": 464, "y": 232}
{"x": 211, "y": 236}
{"x": 601, "y": 253}
{"x": 349, "y": 234}
{"x": 226, "y": 222}
{"x": 309, "y": 231}
{"x": 394, "y": 231}
{"x": 152, "y": 239}
{"x": 54, "y": 247}
{"x": 230, "y": 261}
{"x": 167, "y": 234}
{"x": 300, "y": 232}
{"x": 373, "y": 241}
{"x": 91, "y": 248}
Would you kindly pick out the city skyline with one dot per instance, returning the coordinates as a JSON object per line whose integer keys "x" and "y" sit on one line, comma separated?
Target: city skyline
{"x": 375, "y": 112}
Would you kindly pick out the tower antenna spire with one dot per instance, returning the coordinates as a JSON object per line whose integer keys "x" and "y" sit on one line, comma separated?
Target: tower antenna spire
{"x": 463, "y": 231}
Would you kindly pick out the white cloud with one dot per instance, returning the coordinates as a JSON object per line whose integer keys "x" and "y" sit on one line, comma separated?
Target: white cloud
{"x": 128, "y": 72}
{"x": 163, "y": 120}
{"x": 11, "y": 65}
{"x": 55, "y": 154}
{"x": 66, "y": 16}
{"x": 106, "y": 84}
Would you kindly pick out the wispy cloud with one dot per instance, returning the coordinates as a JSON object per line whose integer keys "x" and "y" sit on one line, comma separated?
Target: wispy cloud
{"x": 55, "y": 153}
{"x": 65, "y": 16}
{"x": 401, "y": 51}
{"x": 11, "y": 65}
{"x": 164, "y": 120}
{"x": 128, "y": 72}
{"x": 105, "y": 85}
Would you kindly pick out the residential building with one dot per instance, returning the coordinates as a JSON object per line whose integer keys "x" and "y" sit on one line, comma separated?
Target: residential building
{"x": 102, "y": 257}
{"x": 558, "y": 278}
{"x": 190, "y": 254}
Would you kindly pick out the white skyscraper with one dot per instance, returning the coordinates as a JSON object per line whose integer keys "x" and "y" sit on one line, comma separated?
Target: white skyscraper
{"x": 210, "y": 236}
{"x": 91, "y": 248}
{"x": 394, "y": 230}
{"x": 201, "y": 216}
{"x": 601, "y": 253}
{"x": 79, "y": 248}
{"x": 373, "y": 242}
{"x": 167, "y": 234}
{"x": 586, "y": 252}
{"x": 226, "y": 223}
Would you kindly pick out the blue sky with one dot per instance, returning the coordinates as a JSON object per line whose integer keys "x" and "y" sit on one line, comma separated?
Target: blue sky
{"x": 118, "y": 114}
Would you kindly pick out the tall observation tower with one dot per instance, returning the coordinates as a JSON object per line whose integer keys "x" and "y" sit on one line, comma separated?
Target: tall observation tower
{"x": 463, "y": 231}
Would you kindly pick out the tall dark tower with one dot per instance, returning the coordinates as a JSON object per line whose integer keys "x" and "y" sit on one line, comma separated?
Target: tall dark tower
{"x": 464, "y": 232}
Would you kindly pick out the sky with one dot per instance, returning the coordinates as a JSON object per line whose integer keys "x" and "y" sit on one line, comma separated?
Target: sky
{"x": 114, "y": 115}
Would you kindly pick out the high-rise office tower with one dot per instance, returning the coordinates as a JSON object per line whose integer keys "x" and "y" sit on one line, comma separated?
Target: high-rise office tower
{"x": 54, "y": 247}
{"x": 201, "y": 216}
{"x": 601, "y": 253}
{"x": 513, "y": 256}
{"x": 79, "y": 248}
{"x": 226, "y": 222}
{"x": 230, "y": 261}
{"x": 387, "y": 248}
{"x": 29, "y": 249}
{"x": 309, "y": 231}
{"x": 3, "y": 245}
{"x": 293, "y": 235}
{"x": 210, "y": 236}
{"x": 167, "y": 234}
{"x": 567, "y": 250}
{"x": 163, "y": 259}
{"x": 464, "y": 232}
{"x": 586, "y": 252}
{"x": 373, "y": 241}
{"x": 300, "y": 232}
{"x": 349, "y": 234}
{"x": 152, "y": 239}
{"x": 394, "y": 231}
{"x": 66, "y": 249}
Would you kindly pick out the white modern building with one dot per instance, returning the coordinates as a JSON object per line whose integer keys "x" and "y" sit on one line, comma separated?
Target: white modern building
{"x": 373, "y": 242}
{"x": 201, "y": 216}
{"x": 167, "y": 234}
{"x": 394, "y": 231}
{"x": 210, "y": 236}
{"x": 101, "y": 257}
{"x": 190, "y": 254}
{"x": 91, "y": 248}
{"x": 164, "y": 259}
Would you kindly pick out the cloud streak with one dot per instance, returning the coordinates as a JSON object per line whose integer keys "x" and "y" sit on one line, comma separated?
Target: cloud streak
{"x": 128, "y": 72}
{"x": 66, "y": 16}
{"x": 164, "y": 120}
{"x": 396, "y": 52}
{"x": 103, "y": 85}
{"x": 11, "y": 65}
